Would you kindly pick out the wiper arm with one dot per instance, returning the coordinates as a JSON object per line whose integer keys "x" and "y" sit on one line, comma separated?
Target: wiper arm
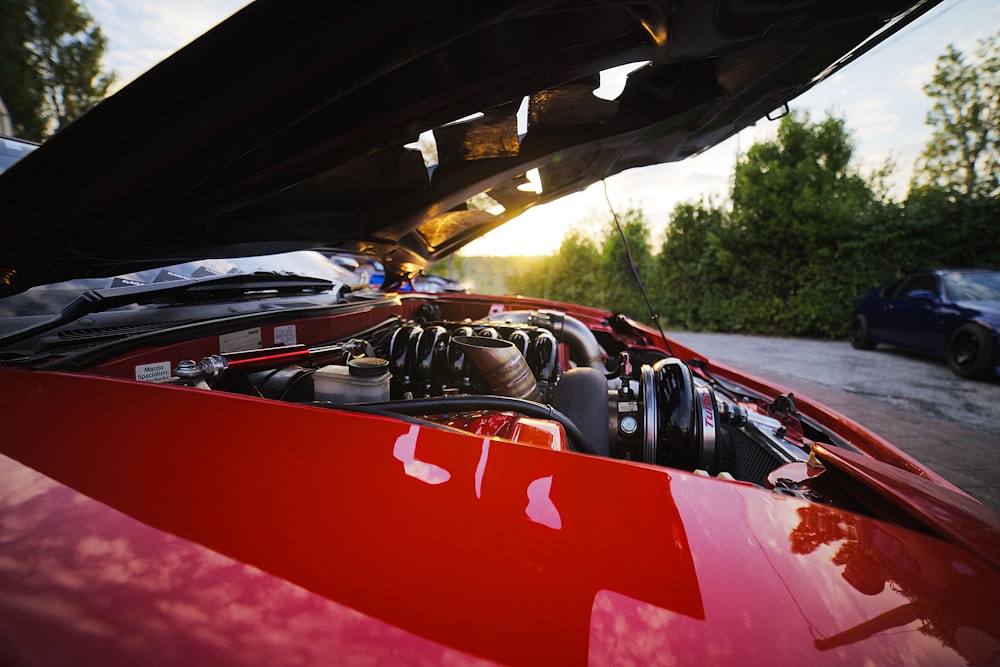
{"x": 180, "y": 291}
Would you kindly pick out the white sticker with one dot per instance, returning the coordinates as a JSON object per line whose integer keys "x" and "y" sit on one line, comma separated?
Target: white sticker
{"x": 153, "y": 372}
{"x": 496, "y": 309}
{"x": 239, "y": 341}
{"x": 284, "y": 335}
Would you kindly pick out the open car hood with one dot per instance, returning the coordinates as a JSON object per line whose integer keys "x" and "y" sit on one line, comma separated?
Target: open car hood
{"x": 291, "y": 127}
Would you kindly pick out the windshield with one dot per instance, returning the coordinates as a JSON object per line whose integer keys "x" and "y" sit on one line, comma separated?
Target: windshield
{"x": 50, "y": 299}
{"x": 12, "y": 150}
{"x": 978, "y": 286}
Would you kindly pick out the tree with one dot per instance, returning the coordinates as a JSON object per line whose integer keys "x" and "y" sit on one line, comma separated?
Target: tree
{"x": 689, "y": 265}
{"x": 50, "y": 64}
{"x": 621, "y": 294}
{"x": 20, "y": 88}
{"x": 569, "y": 275}
{"x": 963, "y": 154}
{"x": 797, "y": 203}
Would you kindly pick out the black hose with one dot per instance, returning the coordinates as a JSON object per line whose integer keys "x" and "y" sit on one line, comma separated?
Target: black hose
{"x": 441, "y": 404}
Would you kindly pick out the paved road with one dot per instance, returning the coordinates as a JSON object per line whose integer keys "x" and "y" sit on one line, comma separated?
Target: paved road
{"x": 951, "y": 424}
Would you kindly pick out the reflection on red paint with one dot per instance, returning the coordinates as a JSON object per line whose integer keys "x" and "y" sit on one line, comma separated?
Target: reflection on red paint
{"x": 540, "y": 507}
{"x": 405, "y": 450}
{"x": 543, "y": 433}
{"x": 481, "y": 467}
{"x": 874, "y": 556}
{"x": 82, "y": 584}
{"x": 627, "y": 631}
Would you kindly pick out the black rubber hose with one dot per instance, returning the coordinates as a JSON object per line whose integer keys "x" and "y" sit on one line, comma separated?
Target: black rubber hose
{"x": 441, "y": 404}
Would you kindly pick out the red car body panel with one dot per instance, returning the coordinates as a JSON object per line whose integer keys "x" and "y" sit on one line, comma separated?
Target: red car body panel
{"x": 83, "y": 584}
{"x": 156, "y": 509}
{"x": 441, "y": 542}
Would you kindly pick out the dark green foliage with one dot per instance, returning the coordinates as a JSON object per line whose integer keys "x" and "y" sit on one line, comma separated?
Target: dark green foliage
{"x": 490, "y": 275}
{"x": 775, "y": 263}
{"x": 575, "y": 277}
{"x": 805, "y": 237}
{"x": 571, "y": 275}
{"x": 50, "y": 64}
{"x": 617, "y": 282}
{"x": 961, "y": 233}
{"x": 795, "y": 200}
{"x": 20, "y": 87}
{"x": 451, "y": 268}
{"x": 594, "y": 273}
{"x": 692, "y": 257}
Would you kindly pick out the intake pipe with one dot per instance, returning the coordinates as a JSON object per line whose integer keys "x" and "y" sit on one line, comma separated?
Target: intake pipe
{"x": 583, "y": 346}
{"x": 501, "y": 366}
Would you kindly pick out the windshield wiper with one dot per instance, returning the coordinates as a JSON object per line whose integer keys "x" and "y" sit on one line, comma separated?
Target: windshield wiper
{"x": 175, "y": 292}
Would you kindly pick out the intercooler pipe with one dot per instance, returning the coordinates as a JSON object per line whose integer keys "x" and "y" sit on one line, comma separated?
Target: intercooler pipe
{"x": 501, "y": 366}
{"x": 583, "y": 346}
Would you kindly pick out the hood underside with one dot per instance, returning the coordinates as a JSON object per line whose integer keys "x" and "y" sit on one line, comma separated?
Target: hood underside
{"x": 294, "y": 125}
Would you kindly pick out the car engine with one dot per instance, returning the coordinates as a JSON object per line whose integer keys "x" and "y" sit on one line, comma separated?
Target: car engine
{"x": 519, "y": 373}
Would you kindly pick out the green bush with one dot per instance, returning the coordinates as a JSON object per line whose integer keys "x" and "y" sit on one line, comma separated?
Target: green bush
{"x": 805, "y": 236}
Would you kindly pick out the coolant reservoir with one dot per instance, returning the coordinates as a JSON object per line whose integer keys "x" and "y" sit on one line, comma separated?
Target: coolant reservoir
{"x": 362, "y": 380}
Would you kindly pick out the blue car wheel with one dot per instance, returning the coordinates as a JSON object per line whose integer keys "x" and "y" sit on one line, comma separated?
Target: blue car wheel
{"x": 861, "y": 338}
{"x": 970, "y": 351}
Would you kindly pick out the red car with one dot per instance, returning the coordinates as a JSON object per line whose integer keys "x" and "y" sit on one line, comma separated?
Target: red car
{"x": 213, "y": 454}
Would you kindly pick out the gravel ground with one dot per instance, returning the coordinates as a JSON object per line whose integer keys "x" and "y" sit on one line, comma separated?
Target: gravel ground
{"x": 909, "y": 383}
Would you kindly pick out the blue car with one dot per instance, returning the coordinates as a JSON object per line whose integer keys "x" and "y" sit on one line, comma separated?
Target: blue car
{"x": 948, "y": 314}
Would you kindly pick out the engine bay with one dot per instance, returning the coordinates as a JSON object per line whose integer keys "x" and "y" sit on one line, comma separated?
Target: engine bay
{"x": 535, "y": 377}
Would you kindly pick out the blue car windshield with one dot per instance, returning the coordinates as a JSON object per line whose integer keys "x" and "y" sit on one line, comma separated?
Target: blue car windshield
{"x": 50, "y": 299}
{"x": 978, "y": 286}
{"x": 12, "y": 150}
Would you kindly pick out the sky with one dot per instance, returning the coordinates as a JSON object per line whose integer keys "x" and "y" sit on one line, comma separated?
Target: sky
{"x": 879, "y": 96}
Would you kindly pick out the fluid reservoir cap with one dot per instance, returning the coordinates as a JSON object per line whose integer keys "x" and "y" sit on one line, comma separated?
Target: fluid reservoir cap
{"x": 368, "y": 366}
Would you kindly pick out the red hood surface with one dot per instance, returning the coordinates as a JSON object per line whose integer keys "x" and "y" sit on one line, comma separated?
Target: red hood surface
{"x": 298, "y": 531}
